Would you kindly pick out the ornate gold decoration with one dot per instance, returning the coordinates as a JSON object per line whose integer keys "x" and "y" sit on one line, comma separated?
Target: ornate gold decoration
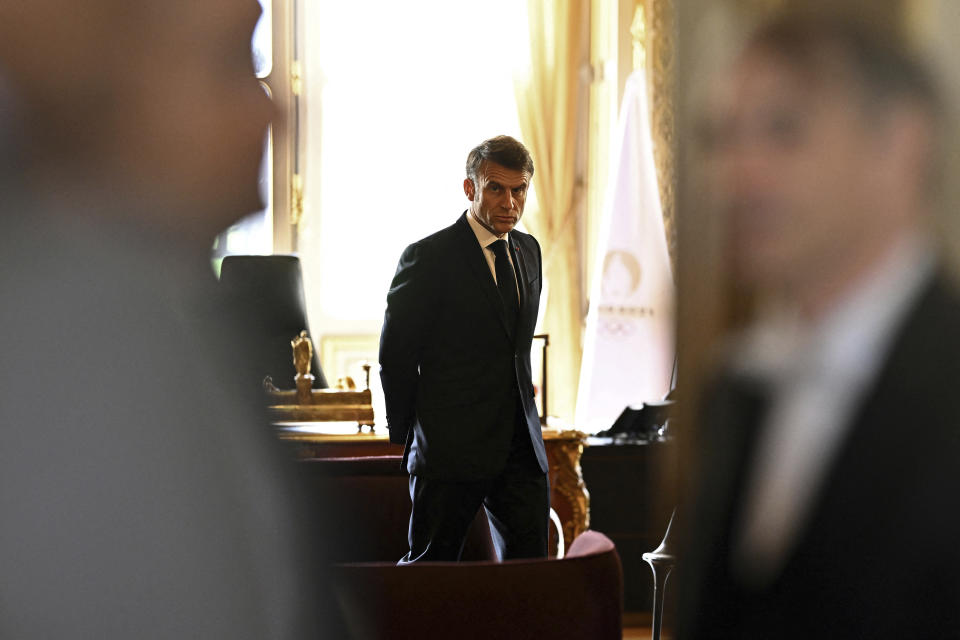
{"x": 346, "y": 383}
{"x": 296, "y": 199}
{"x": 564, "y": 449}
{"x": 302, "y": 353}
{"x": 302, "y": 356}
{"x": 306, "y": 404}
{"x": 296, "y": 77}
{"x": 660, "y": 34}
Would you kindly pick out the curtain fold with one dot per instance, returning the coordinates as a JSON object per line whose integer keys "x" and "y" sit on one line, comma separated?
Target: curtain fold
{"x": 551, "y": 103}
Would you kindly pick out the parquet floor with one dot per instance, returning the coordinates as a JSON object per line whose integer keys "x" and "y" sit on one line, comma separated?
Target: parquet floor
{"x": 637, "y": 627}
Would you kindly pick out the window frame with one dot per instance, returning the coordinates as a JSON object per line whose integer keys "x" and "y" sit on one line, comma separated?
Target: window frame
{"x": 285, "y": 83}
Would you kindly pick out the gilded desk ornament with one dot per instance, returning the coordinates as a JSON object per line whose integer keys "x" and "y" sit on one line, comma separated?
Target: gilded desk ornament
{"x": 306, "y": 404}
{"x": 302, "y": 359}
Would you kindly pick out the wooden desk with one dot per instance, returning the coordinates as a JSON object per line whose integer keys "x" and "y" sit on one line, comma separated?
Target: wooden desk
{"x": 568, "y": 493}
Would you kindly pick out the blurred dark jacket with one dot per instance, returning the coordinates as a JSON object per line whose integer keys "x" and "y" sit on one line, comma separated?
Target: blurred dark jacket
{"x": 878, "y": 556}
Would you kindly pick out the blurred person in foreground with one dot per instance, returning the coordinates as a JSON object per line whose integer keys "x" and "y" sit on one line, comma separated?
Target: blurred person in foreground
{"x": 142, "y": 493}
{"x": 830, "y": 442}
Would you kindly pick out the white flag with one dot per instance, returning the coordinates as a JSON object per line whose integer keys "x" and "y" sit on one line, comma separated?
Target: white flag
{"x": 629, "y": 348}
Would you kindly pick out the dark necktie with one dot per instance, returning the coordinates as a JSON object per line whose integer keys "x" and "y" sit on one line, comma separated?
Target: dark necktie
{"x": 506, "y": 283}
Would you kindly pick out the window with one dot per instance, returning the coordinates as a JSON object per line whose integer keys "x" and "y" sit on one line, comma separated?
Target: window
{"x": 396, "y": 94}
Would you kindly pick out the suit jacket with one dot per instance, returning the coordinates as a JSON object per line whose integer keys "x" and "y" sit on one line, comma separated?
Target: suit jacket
{"x": 450, "y": 365}
{"x": 879, "y": 555}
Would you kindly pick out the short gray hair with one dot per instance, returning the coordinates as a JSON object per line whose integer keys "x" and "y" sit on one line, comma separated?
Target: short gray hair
{"x": 502, "y": 150}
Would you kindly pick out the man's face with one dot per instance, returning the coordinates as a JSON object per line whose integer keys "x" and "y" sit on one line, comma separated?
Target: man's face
{"x": 152, "y": 108}
{"x": 497, "y": 198}
{"x": 800, "y": 174}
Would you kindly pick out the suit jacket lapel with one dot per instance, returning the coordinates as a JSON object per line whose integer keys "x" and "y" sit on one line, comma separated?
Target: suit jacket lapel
{"x": 473, "y": 254}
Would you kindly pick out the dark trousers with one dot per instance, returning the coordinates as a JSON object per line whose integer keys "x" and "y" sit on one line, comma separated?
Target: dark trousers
{"x": 517, "y": 503}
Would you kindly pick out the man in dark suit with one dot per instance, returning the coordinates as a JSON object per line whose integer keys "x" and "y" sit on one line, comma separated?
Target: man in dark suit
{"x": 455, "y": 366}
{"x": 830, "y": 442}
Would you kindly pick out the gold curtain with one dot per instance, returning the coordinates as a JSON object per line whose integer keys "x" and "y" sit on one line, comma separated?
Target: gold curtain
{"x": 551, "y": 104}
{"x": 659, "y": 42}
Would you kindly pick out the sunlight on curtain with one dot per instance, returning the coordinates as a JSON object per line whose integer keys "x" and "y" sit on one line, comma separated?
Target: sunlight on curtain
{"x": 396, "y": 94}
{"x": 551, "y": 104}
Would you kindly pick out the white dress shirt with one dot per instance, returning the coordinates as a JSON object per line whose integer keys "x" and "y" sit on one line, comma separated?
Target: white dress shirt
{"x": 819, "y": 375}
{"x": 486, "y": 239}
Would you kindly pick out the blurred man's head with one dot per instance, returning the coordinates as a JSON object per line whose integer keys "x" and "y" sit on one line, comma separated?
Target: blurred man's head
{"x": 154, "y": 105}
{"x": 823, "y": 155}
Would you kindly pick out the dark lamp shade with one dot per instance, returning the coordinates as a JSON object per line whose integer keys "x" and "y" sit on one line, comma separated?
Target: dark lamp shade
{"x": 267, "y": 294}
